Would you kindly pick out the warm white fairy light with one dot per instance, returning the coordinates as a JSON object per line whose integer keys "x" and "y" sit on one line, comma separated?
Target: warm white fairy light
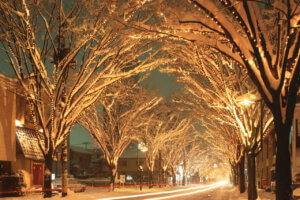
{"x": 251, "y": 62}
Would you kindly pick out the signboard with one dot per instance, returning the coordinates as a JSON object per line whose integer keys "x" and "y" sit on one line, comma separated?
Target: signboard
{"x": 122, "y": 179}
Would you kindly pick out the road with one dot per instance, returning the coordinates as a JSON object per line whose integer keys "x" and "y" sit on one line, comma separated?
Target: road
{"x": 195, "y": 192}
{"x": 204, "y": 192}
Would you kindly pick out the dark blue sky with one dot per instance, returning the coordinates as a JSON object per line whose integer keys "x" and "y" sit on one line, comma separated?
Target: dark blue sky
{"x": 164, "y": 82}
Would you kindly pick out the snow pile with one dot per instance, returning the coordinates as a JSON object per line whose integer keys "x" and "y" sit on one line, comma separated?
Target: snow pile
{"x": 262, "y": 195}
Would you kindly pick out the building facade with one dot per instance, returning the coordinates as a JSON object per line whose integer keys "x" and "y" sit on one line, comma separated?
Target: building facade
{"x": 266, "y": 159}
{"x": 20, "y": 155}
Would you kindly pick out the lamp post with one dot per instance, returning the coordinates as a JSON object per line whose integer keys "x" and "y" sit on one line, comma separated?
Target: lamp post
{"x": 138, "y": 164}
{"x": 142, "y": 148}
{"x": 248, "y": 99}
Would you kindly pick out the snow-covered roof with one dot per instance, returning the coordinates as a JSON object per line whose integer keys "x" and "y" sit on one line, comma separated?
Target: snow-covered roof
{"x": 83, "y": 150}
{"x": 132, "y": 153}
{"x": 28, "y": 143}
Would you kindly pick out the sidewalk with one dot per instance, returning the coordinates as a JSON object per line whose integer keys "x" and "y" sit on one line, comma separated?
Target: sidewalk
{"x": 262, "y": 195}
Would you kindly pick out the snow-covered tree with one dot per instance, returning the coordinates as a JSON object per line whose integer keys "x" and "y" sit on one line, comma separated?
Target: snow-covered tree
{"x": 165, "y": 124}
{"x": 263, "y": 38}
{"x": 116, "y": 122}
{"x": 64, "y": 54}
{"x": 217, "y": 82}
{"x": 217, "y": 130}
{"x": 170, "y": 149}
{"x": 193, "y": 148}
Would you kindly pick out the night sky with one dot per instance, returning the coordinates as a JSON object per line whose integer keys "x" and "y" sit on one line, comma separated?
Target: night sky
{"x": 164, "y": 82}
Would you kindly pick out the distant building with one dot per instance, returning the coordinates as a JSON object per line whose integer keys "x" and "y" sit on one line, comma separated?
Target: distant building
{"x": 82, "y": 161}
{"x": 127, "y": 165}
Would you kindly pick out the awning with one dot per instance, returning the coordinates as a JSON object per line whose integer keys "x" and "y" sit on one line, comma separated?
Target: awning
{"x": 28, "y": 143}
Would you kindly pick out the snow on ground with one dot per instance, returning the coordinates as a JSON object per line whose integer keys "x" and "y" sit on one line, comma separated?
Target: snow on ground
{"x": 262, "y": 195}
{"x": 93, "y": 194}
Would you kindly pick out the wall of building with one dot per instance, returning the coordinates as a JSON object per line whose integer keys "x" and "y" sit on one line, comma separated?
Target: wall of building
{"x": 129, "y": 166}
{"x": 79, "y": 163}
{"x": 25, "y": 165}
{"x": 7, "y": 124}
{"x": 266, "y": 162}
{"x": 296, "y": 142}
{"x": 266, "y": 159}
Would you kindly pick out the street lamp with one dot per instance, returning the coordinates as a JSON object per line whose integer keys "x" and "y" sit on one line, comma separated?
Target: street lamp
{"x": 248, "y": 99}
{"x": 143, "y": 148}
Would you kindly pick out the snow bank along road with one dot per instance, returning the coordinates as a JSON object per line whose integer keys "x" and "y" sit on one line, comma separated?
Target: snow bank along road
{"x": 174, "y": 194}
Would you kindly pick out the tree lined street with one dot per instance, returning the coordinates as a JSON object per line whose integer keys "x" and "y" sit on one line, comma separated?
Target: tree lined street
{"x": 91, "y": 63}
{"x": 192, "y": 192}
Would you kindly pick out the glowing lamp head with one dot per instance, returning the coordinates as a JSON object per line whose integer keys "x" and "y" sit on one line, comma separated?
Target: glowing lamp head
{"x": 19, "y": 123}
{"x": 144, "y": 149}
{"x": 246, "y": 102}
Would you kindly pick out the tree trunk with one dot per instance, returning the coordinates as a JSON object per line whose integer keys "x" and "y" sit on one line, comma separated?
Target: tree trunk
{"x": 150, "y": 179}
{"x": 283, "y": 163}
{"x": 160, "y": 181}
{"x": 241, "y": 168}
{"x": 47, "y": 175}
{"x": 252, "y": 190}
{"x": 113, "y": 172}
{"x": 164, "y": 177}
{"x": 233, "y": 175}
{"x": 173, "y": 177}
{"x": 184, "y": 170}
{"x": 64, "y": 167}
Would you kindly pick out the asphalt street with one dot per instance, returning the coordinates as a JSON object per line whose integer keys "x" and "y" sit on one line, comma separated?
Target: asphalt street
{"x": 205, "y": 192}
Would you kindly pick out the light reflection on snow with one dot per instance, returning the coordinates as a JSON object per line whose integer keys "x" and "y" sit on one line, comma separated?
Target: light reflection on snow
{"x": 201, "y": 188}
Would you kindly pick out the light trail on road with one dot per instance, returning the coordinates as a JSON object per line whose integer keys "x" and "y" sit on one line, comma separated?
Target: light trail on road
{"x": 201, "y": 188}
{"x": 194, "y": 192}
